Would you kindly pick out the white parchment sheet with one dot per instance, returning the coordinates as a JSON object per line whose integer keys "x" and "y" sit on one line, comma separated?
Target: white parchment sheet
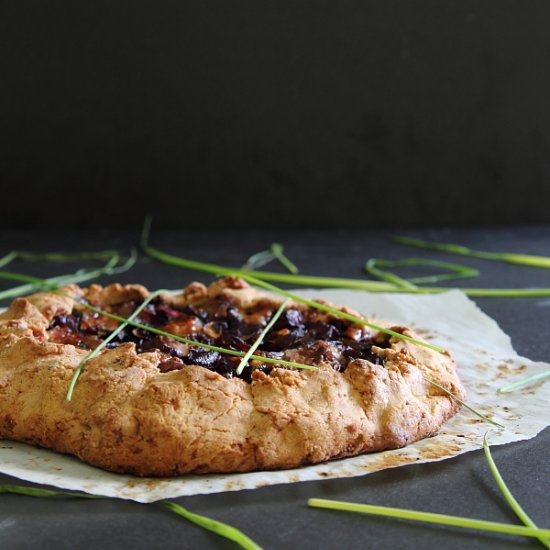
{"x": 486, "y": 361}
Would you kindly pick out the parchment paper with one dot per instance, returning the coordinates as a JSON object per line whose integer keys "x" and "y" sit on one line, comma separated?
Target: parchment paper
{"x": 486, "y": 361}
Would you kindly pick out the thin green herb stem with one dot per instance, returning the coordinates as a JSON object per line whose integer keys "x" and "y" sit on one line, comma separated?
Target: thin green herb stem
{"x": 278, "y": 251}
{"x": 254, "y": 279}
{"x": 458, "y": 271}
{"x": 65, "y": 257}
{"x": 260, "y": 338}
{"x": 522, "y": 259}
{"x": 524, "y": 381}
{"x": 372, "y": 268}
{"x": 213, "y": 525}
{"x": 40, "y": 492}
{"x": 429, "y": 517}
{"x": 339, "y": 313}
{"x": 56, "y": 256}
{"x": 502, "y": 292}
{"x": 21, "y": 277}
{"x": 112, "y": 336}
{"x": 335, "y": 282}
{"x": 113, "y": 260}
{"x": 194, "y": 343}
{"x": 464, "y": 404}
{"x": 50, "y": 283}
{"x": 9, "y": 257}
{"x": 258, "y": 260}
{"x": 264, "y": 257}
{"x": 29, "y": 288}
{"x": 331, "y": 282}
{"x": 514, "y": 504}
{"x": 110, "y": 268}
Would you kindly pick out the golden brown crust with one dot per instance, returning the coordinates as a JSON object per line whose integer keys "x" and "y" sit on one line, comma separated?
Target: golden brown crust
{"x": 127, "y": 416}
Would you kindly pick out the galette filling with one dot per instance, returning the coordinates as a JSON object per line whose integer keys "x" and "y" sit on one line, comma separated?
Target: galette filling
{"x": 304, "y": 336}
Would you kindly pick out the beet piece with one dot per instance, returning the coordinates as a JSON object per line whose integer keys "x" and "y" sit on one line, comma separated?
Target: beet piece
{"x": 226, "y": 365}
{"x": 231, "y": 341}
{"x": 71, "y": 321}
{"x": 171, "y": 364}
{"x": 290, "y": 318}
{"x": 324, "y": 331}
{"x": 202, "y": 357}
{"x": 283, "y": 339}
{"x": 196, "y": 312}
{"x": 164, "y": 314}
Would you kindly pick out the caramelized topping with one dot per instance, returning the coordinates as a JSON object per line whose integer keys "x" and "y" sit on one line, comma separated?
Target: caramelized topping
{"x": 304, "y": 336}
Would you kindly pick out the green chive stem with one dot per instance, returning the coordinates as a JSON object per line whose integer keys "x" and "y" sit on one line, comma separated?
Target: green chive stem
{"x": 275, "y": 252}
{"x": 9, "y": 257}
{"x": 40, "y": 492}
{"x": 52, "y": 283}
{"x": 218, "y": 270}
{"x": 514, "y": 504}
{"x": 65, "y": 257}
{"x": 247, "y": 277}
{"x": 278, "y": 251}
{"x": 429, "y": 517}
{"x": 21, "y": 277}
{"x": 258, "y": 260}
{"x": 372, "y": 268}
{"x": 331, "y": 282}
{"x": 524, "y": 381}
{"x": 521, "y": 259}
{"x": 338, "y": 313}
{"x": 112, "y": 336}
{"x": 502, "y": 292}
{"x": 458, "y": 271}
{"x": 260, "y": 338}
{"x": 212, "y": 525}
{"x": 464, "y": 404}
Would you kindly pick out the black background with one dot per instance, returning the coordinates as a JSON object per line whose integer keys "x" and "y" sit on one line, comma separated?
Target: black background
{"x": 267, "y": 114}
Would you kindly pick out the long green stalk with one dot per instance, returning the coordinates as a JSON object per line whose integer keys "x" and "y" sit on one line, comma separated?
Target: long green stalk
{"x": 337, "y": 312}
{"x": 524, "y": 381}
{"x": 258, "y": 260}
{"x": 112, "y": 336}
{"x": 65, "y": 257}
{"x": 464, "y": 404}
{"x": 212, "y": 525}
{"x": 496, "y": 292}
{"x": 217, "y": 527}
{"x": 260, "y": 338}
{"x": 21, "y": 277}
{"x": 214, "y": 269}
{"x": 246, "y": 275}
{"x": 275, "y": 252}
{"x": 512, "y": 258}
{"x": 35, "y": 284}
{"x": 40, "y": 492}
{"x": 278, "y": 251}
{"x": 429, "y": 517}
{"x": 372, "y": 267}
{"x": 330, "y": 282}
{"x": 514, "y": 504}
{"x": 9, "y": 257}
{"x": 457, "y": 271}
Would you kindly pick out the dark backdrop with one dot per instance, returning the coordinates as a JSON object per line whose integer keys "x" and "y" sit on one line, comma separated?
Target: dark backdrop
{"x": 294, "y": 113}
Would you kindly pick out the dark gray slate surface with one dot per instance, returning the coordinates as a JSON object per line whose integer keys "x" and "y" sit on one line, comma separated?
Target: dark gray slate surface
{"x": 277, "y": 517}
